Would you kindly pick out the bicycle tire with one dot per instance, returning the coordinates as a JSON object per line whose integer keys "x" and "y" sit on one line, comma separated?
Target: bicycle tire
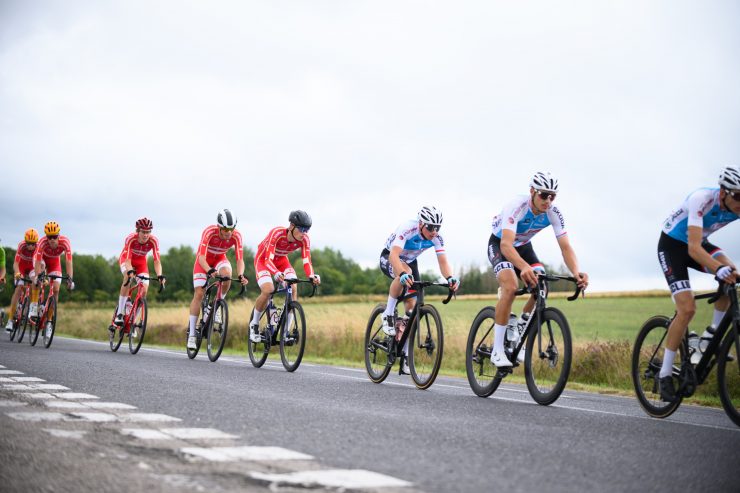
{"x": 137, "y": 325}
{"x": 376, "y": 359}
{"x": 728, "y": 377}
{"x": 426, "y": 347}
{"x": 49, "y": 335}
{"x": 192, "y": 353}
{"x": 115, "y": 336}
{"x": 293, "y": 337}
{"x": 646, "y": 366}
{"x": 258, "y": 351}
{"x": 217, "y": 331}
{"x": 547, "y": 372}
{"x": 33, "y": 333}
{"x": 19, "y": 321}
{"x": 482, "y": 374}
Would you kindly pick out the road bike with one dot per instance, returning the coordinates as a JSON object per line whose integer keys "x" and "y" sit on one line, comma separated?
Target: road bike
{"x": 214, "y": 321}
{"x": 134, "y": 318}
{"x": 21, "y": 311}
{"x": 423, "y": 331}
{"x": 722, "y": 350}
{"x": 548, "y": 353}
{"x": 285, "y": 326}
{"x": 46, "y": 320}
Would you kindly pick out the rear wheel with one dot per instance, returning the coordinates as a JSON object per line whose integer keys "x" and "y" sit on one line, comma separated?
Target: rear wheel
{"x": 137, "y": 326}
{"x": 218, "y": 326}
{"x": 258, "y": 351}
{"x": 548, "y": 357}
{"x": 728, "y": 377}
{"x": 426, "y": 346}
{"x": 647, "y": 358}
{"x": 376, "y": 347}
{"x": 293, "y": 337}
{"x": 33, "y": 329}
{"x": 19, "y": 321}
{"x": 482, "y": 374}
{"x": 192, "y": 353}
{"x": 50, "y": 323}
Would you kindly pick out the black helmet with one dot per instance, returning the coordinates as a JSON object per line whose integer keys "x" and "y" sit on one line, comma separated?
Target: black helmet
{"x": 300, "y": 219}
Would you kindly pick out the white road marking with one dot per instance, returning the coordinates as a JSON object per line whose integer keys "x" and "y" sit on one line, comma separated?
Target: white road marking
{"x": 47, "y": 386}
{"x": 11, "y": 403}
{"x": 64, "y": 404}
{"x": 37, "y": 416}
{"x": 10, "y": 372}
{"x": 247, "y": 453}
{"x": 27, "y": 379}
{"x": 146, "y": 434}
{"x": 140, "y": 417}
{"x": 39, "y": 395}
{"x": 1, "y": 366}
{"x": 95, "y": 417}
{"x": 16, "y": 387}
{"x": 76, "y": 395}
{"x": 108, "y": 405}
{"x": 333, "y": 478}
{"x": 66, "y": 433}
{"x": 196, "y": 433}
{"x": 6, "y": 380}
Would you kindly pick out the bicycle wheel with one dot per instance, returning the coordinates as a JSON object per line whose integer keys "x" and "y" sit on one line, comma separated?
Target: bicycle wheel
{"x": 49, "y": 332}
{"x": 258, "y": 351}
{"x": 426, "y": 345}
{"x": 482, "y": 374}
{"x": 377, "y": 343}
{"x": 546, "y": 370}
{"x": 647, "y": 358}
{"x": 293, "y": 337}
{"x": 115, "y": 336}
{"x": 192, "y": 353}
{"x": 19, "y": 321}
{"x": 728, "y": 377}
{"x": 137, "y": 326}
{"x": 218, "y": 326}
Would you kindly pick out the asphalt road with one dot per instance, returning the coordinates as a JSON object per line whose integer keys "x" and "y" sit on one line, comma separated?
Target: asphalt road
{"x": 158, "y": 421}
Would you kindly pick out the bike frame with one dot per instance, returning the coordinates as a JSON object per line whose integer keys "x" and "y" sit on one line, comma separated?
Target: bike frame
{"x": 209, "y": 299}
{"x": 288, "y": 290}
{"x": 46, "y": 299}
{"x": 128, "y": 319}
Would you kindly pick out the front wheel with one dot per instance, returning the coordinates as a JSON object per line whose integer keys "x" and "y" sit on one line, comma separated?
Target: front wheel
{"x": 548, "y": 357}
{"x": 115, "y": 336}
{"x": 258, "y": 351}
{"x": 647, "y": 360}
{"x": 482, "y": 374}
{"x": 377, "y": 346}
{"x": 426, "y": 346}
{"x": 137, "y": 326}
{"x": 218, "y": 326}
{"x": 19, "y": 321}
{"x": 293, "y": 336}
{"x": 728, "y": 377}
{"x": 50, "y": 325}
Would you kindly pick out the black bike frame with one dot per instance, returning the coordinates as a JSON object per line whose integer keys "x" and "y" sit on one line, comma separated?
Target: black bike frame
{"x": 288, "y": 290}
{"x": 209, "y": 297}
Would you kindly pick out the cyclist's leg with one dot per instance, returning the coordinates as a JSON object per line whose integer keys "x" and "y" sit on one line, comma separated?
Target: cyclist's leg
{"x": 410, "y": 302}
{"x": 200, "y": 279}
{"x": 142, "y": 269}
{"x": 124, "y": 291}
{"x": 224, "y": 270}
{"x": 395, "y": 289}
{"x": 506, "y": 276}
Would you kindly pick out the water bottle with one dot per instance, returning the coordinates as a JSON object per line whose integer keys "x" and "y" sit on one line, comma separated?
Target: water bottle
{"x": 129, "y": 306}
{"x": 694, "y": 352}
{"x": 275, "y": 316}
{"x": 401, "y": 327}
{"x": 512, "y": 334}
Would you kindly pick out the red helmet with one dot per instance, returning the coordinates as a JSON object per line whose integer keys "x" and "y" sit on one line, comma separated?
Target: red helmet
{"x": 144, "y": 224}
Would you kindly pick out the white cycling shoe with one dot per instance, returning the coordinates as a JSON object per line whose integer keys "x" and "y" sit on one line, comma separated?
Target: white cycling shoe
{"x": 388, "y": 329}
{"x": 254, "y": 334}
{"x": 499, "y": 359}
{"x": 520, "y": 356}
{"x": 191, "y": 343}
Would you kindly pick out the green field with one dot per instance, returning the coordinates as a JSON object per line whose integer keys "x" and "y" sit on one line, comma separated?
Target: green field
{"x": 603, "y": 330}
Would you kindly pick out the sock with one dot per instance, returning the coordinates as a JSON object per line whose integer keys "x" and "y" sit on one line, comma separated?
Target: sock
{"x": 498, "y": 338}
{"x": 390, "y": 308}
{"x": 406, "y": 348}
{"x": 193, "y": 318}
{"x": 717, "y": 318}
{"x": 34, "y": 295}
{"x": 11, "y": 311}
{"x": 256, "y": 317}
{"x": 667, "y": 368}
{"x": 121, "y": 305}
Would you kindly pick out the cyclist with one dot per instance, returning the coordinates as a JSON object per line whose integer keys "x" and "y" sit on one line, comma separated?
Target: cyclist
{"x": 398, "y": 261}
{"x": 271, "y": 262}
{"x": 48, "y": 257}
{"x": 683, "y": 243}
{"x": 22, "y": 267}
{"x": 211, "y": 260}
{"x": 133, "y": 263}
{"x": 2, "y": 281}
{"x": 511, "y": 254}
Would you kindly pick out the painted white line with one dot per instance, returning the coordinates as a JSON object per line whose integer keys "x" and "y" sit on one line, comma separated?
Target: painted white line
{"x": 47, "y": 386}
{"x": 16, "y": 387}
{"x": 38, "y": 395}
{"x": 1, "y": 366}
{"x": 196, "y": 433}
{"x": 11, "y": 403}
{"x": 333, "y": 478}
{"x": 10, "y": 372}
{"x": 27, "y": 379}
{"x": 141, "y": 417}
{"x": 6, "y": 380}
{"x": 37, "y": 416}
{"x": 145, "y": 434}
{"x": 64, "y": 404}
{"x": 95, "y": 417}
{"x": 227, "y": 454}
{"x": 108, "y": 405}
{"x": 76, "y": 395}
{"x": 66, "y": 433}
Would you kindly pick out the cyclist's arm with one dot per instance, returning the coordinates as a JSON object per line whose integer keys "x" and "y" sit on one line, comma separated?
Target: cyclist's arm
{"x": 571, "y": 261}
{"x": 240, "y": 267}
{"x": 507, "y": 248}
{"x": 697, "y": 252}
{"x": 201, "y": 259}
{"x": 444, "y": 265}
{"x": 399, "y": 266}
{"x": 70, "y": 268}
{"x": 157, "y": 267}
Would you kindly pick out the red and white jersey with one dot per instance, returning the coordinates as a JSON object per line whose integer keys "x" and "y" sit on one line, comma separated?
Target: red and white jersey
{"x": 133, "y": 248}
{"x": 45, "y": 251}
{"x": 24, "y": 253}
{"x": 276, "y": 244}
{"x": 211, "y": 245}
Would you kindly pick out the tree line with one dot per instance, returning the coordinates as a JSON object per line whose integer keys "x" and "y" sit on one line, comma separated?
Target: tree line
{"x": 98, "y": 279}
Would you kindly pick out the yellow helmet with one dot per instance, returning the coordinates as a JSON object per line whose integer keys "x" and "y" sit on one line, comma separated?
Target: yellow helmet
{"x": 51, "y": 228}
{"x": 32, "y": 236}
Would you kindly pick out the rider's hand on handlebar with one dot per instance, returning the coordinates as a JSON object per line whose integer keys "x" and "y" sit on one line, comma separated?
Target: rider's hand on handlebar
{"x": 407, "y": 279}
{"x": 727, "y": 273}
{"x": 529, "y": 276}
{"x": 70, "y": 284}
{"x": 279, "y": 277}
{"x": 316, "y": 279}
{"x": 454, "y": 283}
{"x": 211, "y": 272}
{"x": 162, "y": 279}
{"x": 243, "y": 279}
{"x": 582, "y": 280}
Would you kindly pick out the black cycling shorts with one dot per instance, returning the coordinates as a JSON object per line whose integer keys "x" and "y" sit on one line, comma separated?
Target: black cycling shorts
{"x": 675, "y": 261}
{"x": 499, "y": 262}
{"x": 387, "y": 269}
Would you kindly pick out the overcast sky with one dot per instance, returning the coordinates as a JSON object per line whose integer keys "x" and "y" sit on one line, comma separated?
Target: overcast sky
{"x": 360, "y": 112}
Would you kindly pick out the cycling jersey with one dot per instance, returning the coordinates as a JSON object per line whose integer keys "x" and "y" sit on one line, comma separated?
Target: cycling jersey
{"x": 276, "y": 247}
{"x": 132, "y": 248}
{"x": 24, "y": 257}
{"x": 213, "y": 247}
{"x": 701, "y": 208}
{"x": 51, "y": 256}
{"x": 408, "y": 236}
{"x": 517, "y": 216}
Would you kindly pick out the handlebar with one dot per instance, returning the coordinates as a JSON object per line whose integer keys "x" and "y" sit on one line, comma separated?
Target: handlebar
{"x": 145, "y": 278}
{"x": 426, "y": 284}
{"x": 220, "y": 279}
{"x": 553, "y": 278}
{"x": 722, "y": 289}
{"x": 295, "y": 280}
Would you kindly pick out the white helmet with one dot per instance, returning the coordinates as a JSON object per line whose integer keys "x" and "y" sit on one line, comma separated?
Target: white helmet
{"x": 544, "y": 181}
{"x": 226, "y": 219}
{"x": 430, "y": 215}
{"x": 730, "y": 178}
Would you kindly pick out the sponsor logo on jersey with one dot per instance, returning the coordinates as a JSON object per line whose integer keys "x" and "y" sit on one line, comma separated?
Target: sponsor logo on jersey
{"x": 663, "y": 264}
{"x": 679, "y": 286}
{"x": 560, "y": 216}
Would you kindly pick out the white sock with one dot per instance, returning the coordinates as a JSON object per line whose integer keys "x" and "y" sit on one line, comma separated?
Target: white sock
{"x": 717, "y": 318}
{"x": 289, "y": 320}
{"x": 390, "y": 308}
{"x": 406, "y": 348}
{"x": 256, "y": 317}
{"x": 499, "y": 332}
{"x": 667, "y": 368}
{"x": 193, "y": 319}
{"x": 121, "y": 304}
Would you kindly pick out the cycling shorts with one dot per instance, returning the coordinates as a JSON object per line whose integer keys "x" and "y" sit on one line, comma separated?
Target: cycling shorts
{"x": 281, "y": 262}
{"x": 200, "y": 276}
{"x": 26, "y": 269}
{"x": 675, "y": 261}
{"x": 140, "y": 266}
{"x": 53, "y": 267}
{"x": 387, "y": 269}
{"x": 499, "y": 262}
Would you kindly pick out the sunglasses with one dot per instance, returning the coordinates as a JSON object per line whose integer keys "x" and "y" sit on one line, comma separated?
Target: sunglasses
{"x": 735, "y": 194}
{"x": 544, "y": 195}
{"x": 227, "y": 230}
{"x": 53, "y": 237}
{"x": 303, "y": 229}
{"x": 433, "y": 227}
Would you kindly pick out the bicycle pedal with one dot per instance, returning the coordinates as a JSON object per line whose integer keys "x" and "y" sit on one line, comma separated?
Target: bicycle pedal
{"x": 503, "y": 371}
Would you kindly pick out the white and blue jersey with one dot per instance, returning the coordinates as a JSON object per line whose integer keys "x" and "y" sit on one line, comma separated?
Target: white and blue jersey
{"x": 518, "y": 217}
{"x": 702, "y": 209}
{"x": 412, "y": 243}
